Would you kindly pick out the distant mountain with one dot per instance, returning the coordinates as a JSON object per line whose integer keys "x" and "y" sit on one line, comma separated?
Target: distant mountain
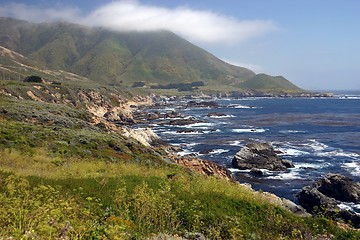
{"x": 124, "y": 58}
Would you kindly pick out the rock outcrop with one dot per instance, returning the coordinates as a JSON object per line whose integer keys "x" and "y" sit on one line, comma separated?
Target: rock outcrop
{"x": 259, "y": 156}
{"x": 210, "y": 104}
{"x": 204, "y": 167}
{"x": 146, "y": 136}
{"x": 326, "y": 194}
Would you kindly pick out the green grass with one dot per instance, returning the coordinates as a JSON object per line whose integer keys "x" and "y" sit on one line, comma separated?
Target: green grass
{"x": 61, "y": 175}
{"x": 130, "y": 197}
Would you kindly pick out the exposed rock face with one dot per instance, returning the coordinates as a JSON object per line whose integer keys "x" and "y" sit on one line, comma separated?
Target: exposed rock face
{"x": 210, "y": 104}
{"x": 284, "y": 203}
{"x": 216, "y": 114}
{"x": 204, "y": 167}
{"x": 187, "y": 121}
{"x": 259, "y": 156}
{"x": 325, "y": 195}
{"x": 145, "y": 136}
{"x": 340, "y": 187}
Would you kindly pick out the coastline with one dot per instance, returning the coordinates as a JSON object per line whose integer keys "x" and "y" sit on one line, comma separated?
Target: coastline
{"x": 196, "y": 127}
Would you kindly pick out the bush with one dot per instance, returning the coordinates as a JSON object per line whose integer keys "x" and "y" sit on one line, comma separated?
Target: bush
{"x": 34, "y": 79}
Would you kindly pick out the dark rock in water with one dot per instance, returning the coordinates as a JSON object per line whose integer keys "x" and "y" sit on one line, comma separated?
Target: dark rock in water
{"x": 257, "y": 172}
{"x": 325, "y": 196}
{"x": 210, "y": 104}
{"x": 207, "y": 151}
{"x": 216, "y": 114}
{"x": 287, "y": 163}
{"x": 260, "y": 156}
{"x": 152, "y": 116}
{"x": 340, "y": 187}
{"x": 186, "y": 121}
{"x": 188, "y": 131}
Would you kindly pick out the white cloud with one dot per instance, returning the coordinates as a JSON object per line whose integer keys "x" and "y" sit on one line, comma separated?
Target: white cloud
{"x": 37, "y": 14}
{"x": 194, "y": 25}
{"x": 253, "y": 67}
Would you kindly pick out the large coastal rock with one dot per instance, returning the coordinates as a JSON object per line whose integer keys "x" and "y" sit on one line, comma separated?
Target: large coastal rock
{"x": 259, "y": 156}
{"x": 327, "y": 193}
{"x": 204, "y": 167}
{"x": 340, "y": 187}
{"x": 146, "y": 136}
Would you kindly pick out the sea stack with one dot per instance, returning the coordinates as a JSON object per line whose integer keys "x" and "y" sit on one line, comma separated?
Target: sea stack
{"x": 259, "y": 155}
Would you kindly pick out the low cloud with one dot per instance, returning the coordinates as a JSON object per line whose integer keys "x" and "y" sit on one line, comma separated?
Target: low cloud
{"x": 195, "y": 25}
{"x": 38, "y": 14}
{"x": 253, "y": 67}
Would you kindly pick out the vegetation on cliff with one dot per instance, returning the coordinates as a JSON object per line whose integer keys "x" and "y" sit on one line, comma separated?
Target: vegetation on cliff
{"x": 66, "y": 171}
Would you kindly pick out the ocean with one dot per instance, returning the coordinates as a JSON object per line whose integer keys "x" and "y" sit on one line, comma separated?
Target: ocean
{"x": 319, "y": 135}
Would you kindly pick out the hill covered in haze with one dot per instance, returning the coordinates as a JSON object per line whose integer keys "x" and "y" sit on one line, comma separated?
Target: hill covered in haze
{"x": 124, "y": 58}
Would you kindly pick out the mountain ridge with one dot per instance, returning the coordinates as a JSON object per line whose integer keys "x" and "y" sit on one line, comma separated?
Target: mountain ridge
{"x": 123, "y": 58}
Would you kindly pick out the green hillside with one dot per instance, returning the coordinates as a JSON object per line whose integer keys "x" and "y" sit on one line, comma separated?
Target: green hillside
{"x": 110, "y": 57}
{"x": 263, "y": 82}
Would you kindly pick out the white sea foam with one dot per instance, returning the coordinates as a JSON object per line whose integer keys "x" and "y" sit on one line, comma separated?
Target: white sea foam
{"x": 353, "y": 168}
{"x": 184, "y": 133}
{"x": 286, "y": 176}
{"x": 338, "y": 153}
{"x": 307, "y": 165}
{"x": 316, "y": 145}
{"x": 168, "y": 109}
{"x": 349, "y": 97}
{"x": 223, "y": 116}
{"x": 291, "y": 131}
{"x": 344, "y": 206}
{"x": 249, "y": 130}
{"x": 191, "y": 144}
{"x": 184, "y": 153}
{"x": 200, "y": 125}
{"x": 239, "y": 106}
{"x": 350, "y": 207}
{"x": 292, "y": 152}
{"x": 234, "y": 170}
{"x": 219, "y": 151}
{"x": 236, "y": 143}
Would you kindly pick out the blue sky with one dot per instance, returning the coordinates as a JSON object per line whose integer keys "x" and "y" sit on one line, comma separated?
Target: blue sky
{"x": 313, "y": 43}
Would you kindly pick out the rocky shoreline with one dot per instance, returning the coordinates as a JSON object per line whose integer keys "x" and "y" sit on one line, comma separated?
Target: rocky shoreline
{"x": 254, "y": 156}
{"x": 126, "y": 116}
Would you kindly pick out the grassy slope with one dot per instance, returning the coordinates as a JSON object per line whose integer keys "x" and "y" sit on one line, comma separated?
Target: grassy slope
{"x": 263, "y": 82}
{"x": 124, "y": 57}
{"x": 58, "y": 168}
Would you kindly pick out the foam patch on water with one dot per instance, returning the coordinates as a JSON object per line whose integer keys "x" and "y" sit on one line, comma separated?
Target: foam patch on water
{"x": 169, "y": 109}
{"x": 236, "y": 143}
{"x": 239, "y": 106}
{"x": 249, "y": 130}
{"x": 317, "y": 146}
{"x": 353, "y": 168}
{"x": 200, "y": 125}
{"x": 191, "y": 144}
{"x": 184, "y": 133}
{"x": 350, "y": 207}
{"x": 338, "y": 153}
{"x": 292, "y": 152}
{"x": 218, "y": 151}
{"x": 235, "y": 170}
{"x": 286, "y": 176}
{"x": 307, "y": 165}
{"x": 291, "y": 131}
{"x": 184, "y": 153}
{"x": 223, "y": 116}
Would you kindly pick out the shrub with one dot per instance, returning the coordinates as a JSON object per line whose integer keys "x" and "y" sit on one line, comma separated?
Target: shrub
{"x": 34, "y": 79}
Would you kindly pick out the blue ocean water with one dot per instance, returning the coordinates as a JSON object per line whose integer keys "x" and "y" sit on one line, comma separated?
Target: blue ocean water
{"x": 319, "y": 135}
